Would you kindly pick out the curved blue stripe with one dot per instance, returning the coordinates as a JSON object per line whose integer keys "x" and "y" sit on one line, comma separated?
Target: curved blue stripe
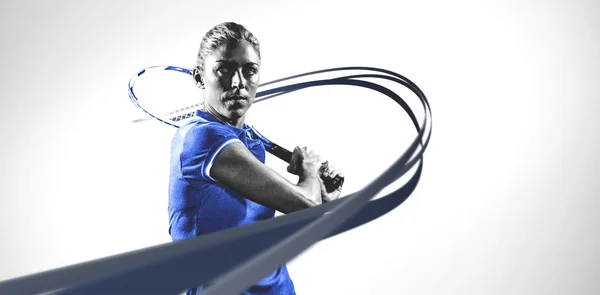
{"x": 172, "y": 267}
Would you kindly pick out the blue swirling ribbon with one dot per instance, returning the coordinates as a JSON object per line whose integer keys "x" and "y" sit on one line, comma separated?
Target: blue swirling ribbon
{"x": 234, "y": 259}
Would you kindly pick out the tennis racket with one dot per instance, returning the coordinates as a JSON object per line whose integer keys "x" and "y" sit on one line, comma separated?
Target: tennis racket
{"x": 177, "y": 105}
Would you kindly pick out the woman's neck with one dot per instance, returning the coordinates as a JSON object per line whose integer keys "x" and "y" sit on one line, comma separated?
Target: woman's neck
{"x": 239, "y": 123}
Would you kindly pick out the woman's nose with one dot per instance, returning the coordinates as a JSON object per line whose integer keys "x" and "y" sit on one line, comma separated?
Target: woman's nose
{"x": 237, "y": 80}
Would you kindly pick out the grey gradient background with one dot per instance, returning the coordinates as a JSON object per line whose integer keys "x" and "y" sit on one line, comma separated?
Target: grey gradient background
{"x": 508, "y": 198}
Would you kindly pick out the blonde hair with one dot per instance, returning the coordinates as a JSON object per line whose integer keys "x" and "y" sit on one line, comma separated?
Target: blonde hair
{"x": 224, "y": 33}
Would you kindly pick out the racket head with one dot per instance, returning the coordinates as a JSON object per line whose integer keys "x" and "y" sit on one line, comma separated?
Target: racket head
{"x": 160, "y": 92}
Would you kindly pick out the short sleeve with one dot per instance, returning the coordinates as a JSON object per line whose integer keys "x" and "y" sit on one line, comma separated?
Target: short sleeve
{"x": 202, "y": 143}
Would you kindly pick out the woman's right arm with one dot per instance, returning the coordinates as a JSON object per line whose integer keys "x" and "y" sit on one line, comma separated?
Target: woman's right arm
{"x": 237, "y": 168}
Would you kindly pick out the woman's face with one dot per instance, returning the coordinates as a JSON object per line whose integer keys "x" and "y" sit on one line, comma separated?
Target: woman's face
{"x": 231, "y": 77}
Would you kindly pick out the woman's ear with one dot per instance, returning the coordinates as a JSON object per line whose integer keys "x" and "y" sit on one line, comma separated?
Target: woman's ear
{"x": 197, "y": 74}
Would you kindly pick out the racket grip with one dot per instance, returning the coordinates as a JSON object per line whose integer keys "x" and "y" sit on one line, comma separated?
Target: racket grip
{"x": 285, "y": 155}
{"x": 281, "y": 153}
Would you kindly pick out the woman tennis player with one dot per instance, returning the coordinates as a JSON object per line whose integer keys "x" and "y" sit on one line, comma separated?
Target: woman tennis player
{"x": 218, "y": 178}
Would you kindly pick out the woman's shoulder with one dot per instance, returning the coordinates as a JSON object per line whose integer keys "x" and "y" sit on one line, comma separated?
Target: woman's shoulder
{"x": 197, "y": 137}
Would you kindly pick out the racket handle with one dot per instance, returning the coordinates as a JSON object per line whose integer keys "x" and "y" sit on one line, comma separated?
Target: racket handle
{"x": 281, "y": 153}
{"x": 285, "y": 155}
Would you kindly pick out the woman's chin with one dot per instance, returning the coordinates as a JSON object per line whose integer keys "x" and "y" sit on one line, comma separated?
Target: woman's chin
{"x": 236, "y": 113}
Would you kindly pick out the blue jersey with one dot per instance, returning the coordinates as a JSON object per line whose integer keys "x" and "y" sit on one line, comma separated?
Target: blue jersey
{"x": 199, "y": 204}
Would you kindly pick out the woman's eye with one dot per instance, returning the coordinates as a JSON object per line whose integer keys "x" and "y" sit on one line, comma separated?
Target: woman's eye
{"x": 223, "y": 70}
{"x": 249, "y": 72}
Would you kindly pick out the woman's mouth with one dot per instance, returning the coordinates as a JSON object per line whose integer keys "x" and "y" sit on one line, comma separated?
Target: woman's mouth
{"x": 236, "y": 98}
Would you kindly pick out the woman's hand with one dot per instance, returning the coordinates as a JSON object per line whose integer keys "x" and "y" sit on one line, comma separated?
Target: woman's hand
{"x": 328, "y": 172}
{"x": 304, "y": 162}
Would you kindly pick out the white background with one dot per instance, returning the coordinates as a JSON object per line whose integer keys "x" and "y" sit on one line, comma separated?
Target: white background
{"x": 507, "y": 203}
